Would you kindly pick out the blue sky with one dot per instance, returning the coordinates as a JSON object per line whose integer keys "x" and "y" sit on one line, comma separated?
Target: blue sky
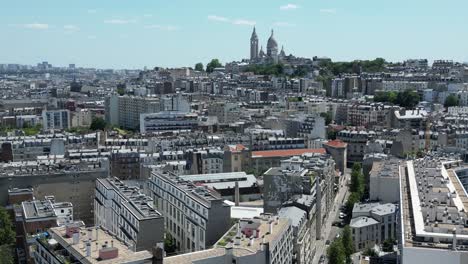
{"x": 133, "y": 34}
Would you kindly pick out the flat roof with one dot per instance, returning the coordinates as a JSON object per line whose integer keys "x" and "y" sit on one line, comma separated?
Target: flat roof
{"x": 125, "y": 255}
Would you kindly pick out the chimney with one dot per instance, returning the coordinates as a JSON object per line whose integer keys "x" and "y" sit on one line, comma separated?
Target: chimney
{"x": 251, "y": 241}
{"x": 97, "y": 233}
{"x": 270, "y": 230}
{"x": 158, "y": 254}
{"x": 88, "y": 248}
{"x": 263, "y": 243}
{"x": 76, "y": 238}
{"x": 90, "y": 233}
{"x": 237, "y": 194}
{"x": 454, "y": 240}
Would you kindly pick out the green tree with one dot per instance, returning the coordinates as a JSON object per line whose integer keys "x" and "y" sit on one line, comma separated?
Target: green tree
{"x": 169, "y": 245}
{"x": 353, "y": 198}
{"x": 328, "y": 117}
{"x": 451, "y": 100}
{"x": 336, "y": 253}
{"x": 267, "y": 69}
{"x": 408, "y": 99}
{"x": 214, "y": 63}
{"x": 370, "y": 252}
{"x": 7, "y": 234}
{"x": 331, "y": 134}
{"x": 347, "y": 240}
{"x": 6, "y": 254}
{"x": 199, "y": 66}
{"x": 98, "y": 123}
{"x": 387, "y": 245}
{"x": 357, "y": 180}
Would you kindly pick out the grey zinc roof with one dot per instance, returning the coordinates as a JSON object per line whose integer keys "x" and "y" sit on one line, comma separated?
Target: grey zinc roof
{"x": 295, "y": 214}
{"x": 362, "y": 221}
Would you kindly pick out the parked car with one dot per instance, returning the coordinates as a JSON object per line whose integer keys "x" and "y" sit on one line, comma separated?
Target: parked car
{"x": 327, "y": 242}
{"x": 322, "y": 259}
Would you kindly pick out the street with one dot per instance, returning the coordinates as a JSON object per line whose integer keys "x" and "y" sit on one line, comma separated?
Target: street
{"x": 328, "y": 231}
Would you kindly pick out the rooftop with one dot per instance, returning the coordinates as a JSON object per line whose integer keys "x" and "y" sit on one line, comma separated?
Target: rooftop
{"x": 100, "y": 240}
{"x": 138, "y": 203}
{"x": 285, "y": 152}
{"x": 434, "y": 203}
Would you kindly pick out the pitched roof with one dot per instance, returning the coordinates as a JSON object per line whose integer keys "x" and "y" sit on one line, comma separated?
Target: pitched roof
{"x": 285, "y": 152}
{"x": 336, "y": 143}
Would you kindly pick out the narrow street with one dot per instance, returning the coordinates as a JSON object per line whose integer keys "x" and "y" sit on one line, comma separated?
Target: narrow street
{"x": 328, "y": 231}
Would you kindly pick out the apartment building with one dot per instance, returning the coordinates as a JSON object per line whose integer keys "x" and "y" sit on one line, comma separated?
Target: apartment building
{"x": 168, "y": 122}
{"x": 205, "y": 161}
{"x": 372, "y": 224}
{"x": 56, "y": 119}
{"x": 433, "y": 210}
{"x": 128, "y": 214}
{"x": 303, "y": 249}
{"x": 74, "y": 243}
{"x": 356, "y": 141}
{"x": 125, "y": 111}
{"x": 195, "y": 216}
{"x": 264, "y": 240}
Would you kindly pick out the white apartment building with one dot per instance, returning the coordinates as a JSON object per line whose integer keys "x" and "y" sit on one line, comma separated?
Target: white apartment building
{"x": 433, "y": 211}
{"x": 195, "y": 216}
{"x": 125, "y": 111}
{"x": 264, "y": 240}
{"x": 127, "y": 213}
{"x": 372, "y": 224}
{"x": 56, "y": 119}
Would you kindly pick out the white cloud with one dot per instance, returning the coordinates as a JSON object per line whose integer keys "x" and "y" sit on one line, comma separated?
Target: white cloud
{"x": 240, "y": 21}
{"x": 218, "y": 18}
{"x": 92, "y": 37}
{"x": 283, "y": 24}
{"x": 36, "y": 26}
{"x": 147, "y": 15}
{"x": 119, "y": 21}
{"x": 162, "y": 27}
{"x": 92, "y": 11}
{"x": 71, "y": 28}
{"x": 328, "y": 11}
{"x": 244, "y": 22}
{"x": 289, "y": 7}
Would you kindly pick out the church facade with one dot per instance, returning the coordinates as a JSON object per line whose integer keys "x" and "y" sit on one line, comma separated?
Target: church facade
{"x": 271, "y": 56}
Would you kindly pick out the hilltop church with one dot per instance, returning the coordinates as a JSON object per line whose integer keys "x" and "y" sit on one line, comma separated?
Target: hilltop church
{"x": 271, "y": 56}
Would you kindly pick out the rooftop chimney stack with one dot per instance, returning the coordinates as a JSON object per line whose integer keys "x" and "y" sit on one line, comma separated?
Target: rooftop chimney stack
{"x": 454, "y": 240}
{"x": 88, "y": 248}
{"x": 237, "y": 194}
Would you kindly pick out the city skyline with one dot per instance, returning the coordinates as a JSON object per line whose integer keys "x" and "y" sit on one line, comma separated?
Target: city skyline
{"x": 149, "y": 33}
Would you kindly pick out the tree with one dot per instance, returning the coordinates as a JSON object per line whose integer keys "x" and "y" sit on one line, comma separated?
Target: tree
{"x": 169, "y": 245}
{"x": 451, "y": 100}
{"x": 267, "y": 69}
{"x": 336, "y": 253}
{"x": 387, "y": 245}
{"x": 214, "y": 63}
{"x": 121, "y": 88}
{"x": 199, "y": 66}
{"x": 7, "y": 235}
{"x": 331, "y": 134}
{"x": 6, "y": 254}
{"x": 357, "y": 181}
{"x": 370, "y": 252}
{"x": 347, "y": 240}
{"x": 98, "y": 123}
{"x": 328, "y": 117}
{"x": 353, "y": 198}
{"x": 408, "y": 99}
